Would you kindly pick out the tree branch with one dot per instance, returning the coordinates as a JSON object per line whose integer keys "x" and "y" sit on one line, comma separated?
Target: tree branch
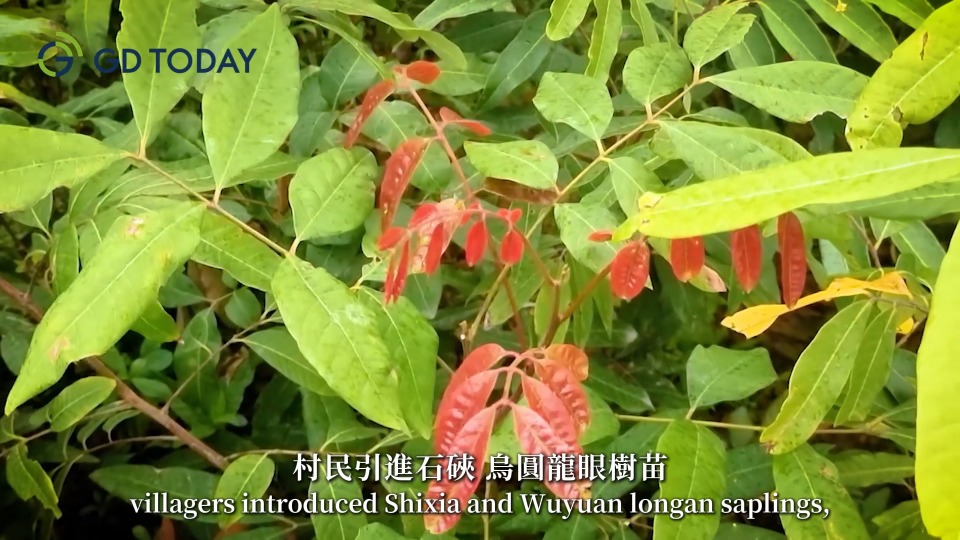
{"x": 123, "y": 390}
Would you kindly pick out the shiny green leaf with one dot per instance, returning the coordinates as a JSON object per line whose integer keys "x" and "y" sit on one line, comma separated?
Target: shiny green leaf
{"x": 579, "y": 101}
{"x": 332, "y": 193}
{"x": 860, "y": 24}
{"x": 716, "y": 32}
{"x": 871, "y": 368}
{"x": 530, "y": 163}
{"x": 796, "y": 31}
{"x": 654, "y": 71}
{"x": 246, "y": 478}
{"x": 716, "y": 374}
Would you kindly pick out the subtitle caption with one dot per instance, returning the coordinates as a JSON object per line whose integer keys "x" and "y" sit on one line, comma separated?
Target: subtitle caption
{"x": 401, "y": 468}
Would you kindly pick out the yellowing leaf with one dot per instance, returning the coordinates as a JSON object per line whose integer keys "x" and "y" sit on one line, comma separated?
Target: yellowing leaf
{"x": 906, "y": 326}
{"x": 753, "y": 321}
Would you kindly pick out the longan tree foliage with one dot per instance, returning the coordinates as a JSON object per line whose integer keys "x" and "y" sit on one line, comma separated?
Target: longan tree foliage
{"x": 448, "y": 227}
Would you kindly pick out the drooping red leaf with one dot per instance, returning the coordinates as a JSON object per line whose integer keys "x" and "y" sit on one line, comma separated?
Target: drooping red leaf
{"x": 511, "y": 247}
{"x": 476, "y": 243}
{"x": 449, "y": 116}
{"x": 686, "y": 257}
{"x": 390, "y": 237}
{"x": 459, "y": 406}
{"x": 422, "y": 71}
{"x": 435, "y": 249}
{"x": 397, "y": 173}
{"x": 564, "y": 383}
{"x": 630, "y": 269}
{"x": 569, "y": 356}
{"x": 547, "y": 404}
{"x": 746, "y": 250}
{"x": 600, "y": 236}
{"x": 793, "y": 258}
{"x": 472, "y": 440}
{"x": 374, "y": 96}
{"x": 397, "y": 275}
{"x": 537, "y": 436}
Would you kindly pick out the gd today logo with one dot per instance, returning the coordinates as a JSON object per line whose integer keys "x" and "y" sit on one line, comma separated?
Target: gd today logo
{"x": 66, "y": 58}
{"x": 129, "y": 60}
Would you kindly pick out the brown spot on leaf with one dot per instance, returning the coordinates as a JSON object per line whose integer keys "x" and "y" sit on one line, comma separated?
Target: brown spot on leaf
{"x": 59, "y": 345}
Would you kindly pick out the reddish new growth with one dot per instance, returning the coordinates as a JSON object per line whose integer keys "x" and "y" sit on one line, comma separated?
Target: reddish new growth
{"x": 420, "y": 245}
{"x": 551, "y": 422}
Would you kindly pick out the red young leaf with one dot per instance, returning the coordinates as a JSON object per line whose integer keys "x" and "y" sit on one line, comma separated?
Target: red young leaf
{"x": 374, "y": 96}
{"x": 686, "y": 257}
{"x": 397, "y": 275}
{"x": 422, "y": 71}
{"x": 793, "y": 258}
{"x": 537, "y": 436}
{"x": 746, "y": 250}
{"x": 450, "y": 116}
{"x": 458, "y": 406}
{"x": 435, "y": 249}
{"x": 476, "y": 243}
{"x": 471, "y": 440}
{"x": 570, "y": 357}
{"x": 397, "y": 173}
{"x": 423, "y": 213}
{"x": 548, "y": 405}
{"x": 511, "y": 247}
{"x": 600, "y": 236}
{"x": 390, "y": 237}
{"x": 478, "y": 361}
{"x": 563, "y": 383}
{"x": 630, "y": 269}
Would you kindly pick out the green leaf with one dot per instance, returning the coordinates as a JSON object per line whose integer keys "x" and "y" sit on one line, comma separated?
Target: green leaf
{"x": 247, "y": 116}
{"x": 912, "y": 12}
{"x": 716, "y": 374}
{"x": 858, "y": 468}
{"x": 225, "y": 245}
{"x": 135, "y": 259}
{"x": 45, "y": 160}
{"x": 641, "y": 15}
{"x": 332, "y": 193}
{"x": 604, "y": 39}
{"x": 749, "y": 472}
{"x": 917, "y": 240}
{"x": 901, "y": 521}
{"x": 132, "y": 482}
{"x": 412, "y": 344}
{"x": 576, "y": 222}
{"x": 401, "y": 22}
{"x": 614, "y": 388}
{"x": 631, "y": 178}
{"x": 246, "y": 478}
{"x": 78, "y": 400}
{"x": 795, "y": 91}
{"x": 716, "y": 32}
{"x": 860, "y": 24}
{"x": 796, "y": 31}
{"x": 158, "y": 24}
{"x": 278, "y": 348}
{"x": 518, "y": 61}
{"x": 579, "y": 101}
{"x": 654, "y": 71}
{"x": 243, "y": 308}
{"x": 344, "y": 74}
{"x": 323, "y": 316}
{"x": 805, "y": 474}
{"x": 755, "y": 49}
{"x": 441, "y": 10}
{"x": 717, "y": 151}
{"x": 156, "y": 324}
{"x": 818, "y": 378}
{"x": 695, "y": 470}
{"x": 737, "y": 201}
{"x": 65, "y": 258}
{"x": 28, "y": 479}
{"x": 337, "y": 526}
{"x": 530, "y": 163}
{"x": 916, "y": 84}
{"x": 739, "y": 531}
{"x": 871, "y": 368}
{"x": 937, "y": 383}
{"x": 89, "y": 21}
{"x": 565, "y": 17}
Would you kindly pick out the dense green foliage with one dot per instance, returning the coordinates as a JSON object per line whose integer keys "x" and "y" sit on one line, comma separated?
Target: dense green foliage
{"x": 204, "y": 274}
